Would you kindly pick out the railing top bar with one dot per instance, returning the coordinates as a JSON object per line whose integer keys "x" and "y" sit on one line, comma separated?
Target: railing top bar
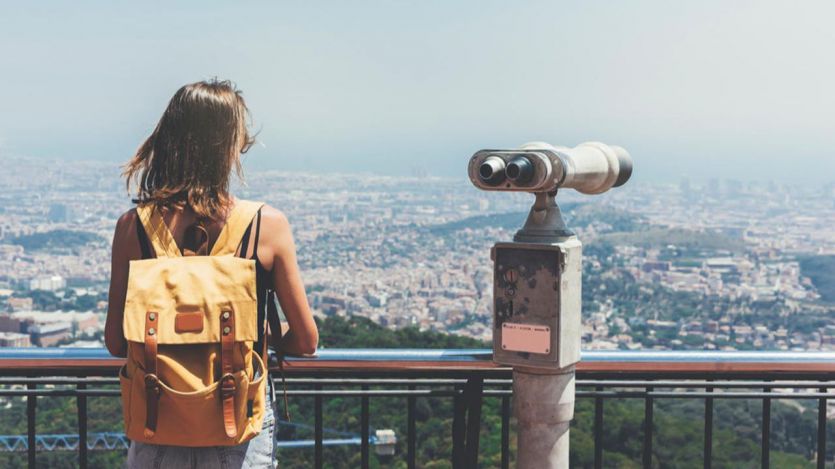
{"x": 698, "y": 356}
{"x": 455, "y": 355}
{"x": 463, "y": 355}
{"x": 448, "y": 363}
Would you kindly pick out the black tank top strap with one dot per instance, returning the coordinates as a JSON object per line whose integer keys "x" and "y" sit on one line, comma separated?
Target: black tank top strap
{"x": 262, "y": 277}
{"x": 244, "y": 246}
{"x": 257, "y": 235}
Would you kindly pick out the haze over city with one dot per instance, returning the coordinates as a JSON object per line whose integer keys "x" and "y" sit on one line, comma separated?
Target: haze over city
{"x": 736, "y": 90}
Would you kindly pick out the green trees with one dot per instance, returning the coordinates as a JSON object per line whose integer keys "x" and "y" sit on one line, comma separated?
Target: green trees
{"x": 56, "y": 239}
{"x": 821, "y": 269}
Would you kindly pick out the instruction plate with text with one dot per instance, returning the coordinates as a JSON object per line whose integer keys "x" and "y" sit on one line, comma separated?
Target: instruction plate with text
{"x": 526, "y": 338}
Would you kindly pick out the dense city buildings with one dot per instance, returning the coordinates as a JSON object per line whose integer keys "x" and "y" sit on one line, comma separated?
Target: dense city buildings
{"x": 720, "y": 265}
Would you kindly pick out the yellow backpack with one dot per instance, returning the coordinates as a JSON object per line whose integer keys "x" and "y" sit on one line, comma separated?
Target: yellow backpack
{"x": 192, "y": 377}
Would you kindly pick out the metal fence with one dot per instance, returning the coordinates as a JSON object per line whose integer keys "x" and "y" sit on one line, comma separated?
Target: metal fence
{"x": 467, "y": 377}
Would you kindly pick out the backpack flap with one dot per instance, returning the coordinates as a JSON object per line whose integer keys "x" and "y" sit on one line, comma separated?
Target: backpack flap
{"x": 189, "y": 295}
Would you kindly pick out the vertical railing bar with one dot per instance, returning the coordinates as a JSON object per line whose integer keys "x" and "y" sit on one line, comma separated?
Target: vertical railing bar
{"x": 598, "y": 430}
{"x": 31, "y": 401}
{"x": 317, "y": 429}
{"x": 458, "y": 430}
{"x": 505, "y": 432}
{"x": 822, "y": 430}
{"x": 364, "y": 421}
{"x": 412, "y": 441}
{"x": 708, "y": 443}
{"x": 766, "y": 434}
{"x": 648, "y": 429}
{"x": 81, "y": 404}
{"x": 475, "y": 387}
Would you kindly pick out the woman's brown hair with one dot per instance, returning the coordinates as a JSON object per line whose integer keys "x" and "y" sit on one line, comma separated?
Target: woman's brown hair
{"x": 189, "y": 157}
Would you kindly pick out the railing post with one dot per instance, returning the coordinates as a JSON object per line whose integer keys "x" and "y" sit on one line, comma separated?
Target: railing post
{"x": 317, "y": 428}
{"x": 648, "y": 429}
{"x": 766, "y": 435}
{"x": 458, "y": 430}
{"x": 31, "y": 401}
{"x": 822, "y": 430}
{"x": 707, "y": 455}
{"x": 505, "y": 432}
{"x": 412, "y": 441}
{"x": 466, "y": 424}
{"x": 81, "y": 404}
{"x": 364, "y": 422}
{"x": 474, "y": 388}
{"x": 598, "y": 429}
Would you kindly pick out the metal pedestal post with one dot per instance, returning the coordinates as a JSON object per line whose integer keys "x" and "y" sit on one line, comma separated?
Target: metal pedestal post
{"x": 543, "y": 384}
{"x": 544, "y": 406}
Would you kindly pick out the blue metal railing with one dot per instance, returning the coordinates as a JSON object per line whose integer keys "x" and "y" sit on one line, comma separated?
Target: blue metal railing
{"x": 465, "y": 355}
{"x": 467, "y": 376}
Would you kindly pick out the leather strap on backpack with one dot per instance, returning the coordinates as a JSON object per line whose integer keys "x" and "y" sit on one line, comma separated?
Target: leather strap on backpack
{"x": 227, "y": 381}
{"x": 152, "y": 388}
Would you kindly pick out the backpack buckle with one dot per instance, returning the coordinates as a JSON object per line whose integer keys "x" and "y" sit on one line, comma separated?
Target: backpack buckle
{"x": 152, "y": 384}
{"x": 228, "y": 385}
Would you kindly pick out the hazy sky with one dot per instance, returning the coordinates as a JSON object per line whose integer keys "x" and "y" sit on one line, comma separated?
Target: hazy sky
{"x": 703, "y": 88}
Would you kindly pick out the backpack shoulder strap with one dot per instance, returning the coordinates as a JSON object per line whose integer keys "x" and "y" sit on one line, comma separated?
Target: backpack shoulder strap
{"x": 158, "y": 233}
{"x": 236, "y": 225}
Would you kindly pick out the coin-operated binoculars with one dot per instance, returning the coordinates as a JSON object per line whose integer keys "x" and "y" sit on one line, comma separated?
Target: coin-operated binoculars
{"x": 537, "y": 285}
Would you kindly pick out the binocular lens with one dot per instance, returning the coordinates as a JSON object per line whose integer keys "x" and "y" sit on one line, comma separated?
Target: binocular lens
{"x": 625, "y": 166}
{"x": 519, "y": 170}
{"x": 492, "y": 170}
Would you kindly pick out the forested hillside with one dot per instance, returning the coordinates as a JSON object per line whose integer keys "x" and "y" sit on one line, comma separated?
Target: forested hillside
{"x": 821, "y": 270}
{"x": 56, "y": 239}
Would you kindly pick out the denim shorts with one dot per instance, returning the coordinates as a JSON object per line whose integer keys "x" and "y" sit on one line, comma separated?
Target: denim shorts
{"x": 256, "y": 453}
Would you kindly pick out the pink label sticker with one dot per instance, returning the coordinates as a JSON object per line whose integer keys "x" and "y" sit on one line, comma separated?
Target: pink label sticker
{"x": 526, "y": 338}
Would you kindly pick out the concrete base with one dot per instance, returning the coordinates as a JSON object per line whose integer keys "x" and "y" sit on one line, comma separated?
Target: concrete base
{"x": 543, "y": 405}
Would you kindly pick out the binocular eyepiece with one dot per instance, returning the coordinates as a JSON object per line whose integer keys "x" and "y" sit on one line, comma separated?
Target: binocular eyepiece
{"x": 590, "y": 168}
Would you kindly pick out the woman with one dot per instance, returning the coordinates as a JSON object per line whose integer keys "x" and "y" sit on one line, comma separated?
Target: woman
{"x": 184, "y": 170}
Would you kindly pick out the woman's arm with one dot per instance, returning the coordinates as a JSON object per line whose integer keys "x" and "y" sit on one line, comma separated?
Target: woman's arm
{"x": 302, "y": 335}
{"x": 122, "y": 249}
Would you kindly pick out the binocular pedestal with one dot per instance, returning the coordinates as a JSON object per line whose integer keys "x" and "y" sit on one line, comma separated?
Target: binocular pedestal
{"x": 543, "y": 403}
{"x": 536, "y": 319}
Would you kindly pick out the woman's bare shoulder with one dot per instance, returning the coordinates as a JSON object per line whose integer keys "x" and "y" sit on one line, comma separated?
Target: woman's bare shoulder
{"x": 276, "y": 232}
{"x": 128, "y": 217}
{"x": 274, "y": 219}
{"x": 126, "y": 221}
{"x": 124, "y": 236}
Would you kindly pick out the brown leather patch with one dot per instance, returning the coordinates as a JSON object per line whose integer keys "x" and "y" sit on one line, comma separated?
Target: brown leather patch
{"x": 188, "y": 322}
